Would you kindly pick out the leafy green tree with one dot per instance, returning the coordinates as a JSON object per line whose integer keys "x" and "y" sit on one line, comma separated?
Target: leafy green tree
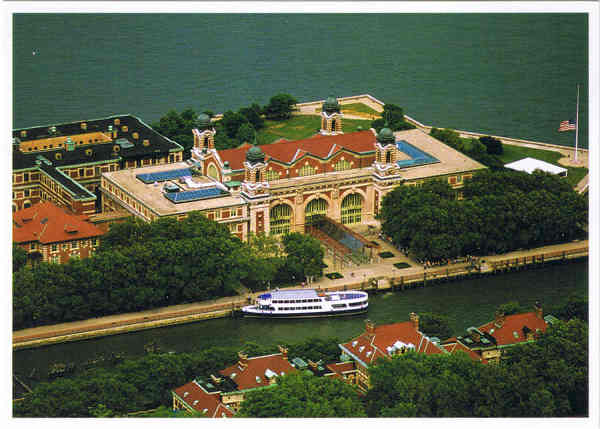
{"x": 253, "y": 114}
{"x": 492, "y": 144}
{"x": 304, "y": 255}
{"x": 19, "y": 257}
{"x": 316, "y": 349}
{"x": 512, "y": 307}
{"x": 246, "y": 133}
{"x": 393, "y": 118}
{"x": 178, "y": 127}
{"x": 280, "y": 107}
{"x": 302, "y": 395}
{"x": 232, "y": 122}
{"x": 435, "y": 325}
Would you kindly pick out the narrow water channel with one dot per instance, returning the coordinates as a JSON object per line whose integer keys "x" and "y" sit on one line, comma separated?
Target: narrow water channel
{"x": 468, "y": 303}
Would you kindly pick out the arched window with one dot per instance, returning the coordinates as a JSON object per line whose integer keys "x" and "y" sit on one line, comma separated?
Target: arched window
{"x": 212, "y": 172}
{"x": 280, "y": 219}
{"x": 205, "y": 142}
{"x": 257, "y": 177}
{"x": 342, "y": 165}
{"x": 306, "y": 170}
{"x": 271, "y": 175}
{"x": 352, "y": 209}
{"x": 388, "y": 157}
{"x": 333, "y": 123}
{"x": 317, "y": 207}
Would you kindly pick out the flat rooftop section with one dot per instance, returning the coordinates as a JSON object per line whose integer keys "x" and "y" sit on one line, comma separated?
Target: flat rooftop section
{"x": 450, "y": 160}
{"x": 152, "y": 196}
{"x": 529, "y": 165}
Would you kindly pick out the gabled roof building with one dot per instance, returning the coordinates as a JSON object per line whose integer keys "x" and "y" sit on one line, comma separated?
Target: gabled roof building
{"x": 54, "y": 233}
{"x": 222, "y": 396}
{"x": 385, "y": 341}
{"x": 491, "y": 339}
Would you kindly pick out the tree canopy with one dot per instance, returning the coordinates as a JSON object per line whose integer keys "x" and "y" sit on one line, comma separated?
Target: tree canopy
{"x": 392, "y": 117}
{"x": 303, "y": 395}
{"x": 501, "y": 211}
{"x": 547, "y": 378}
{"x": 280, "y": 107}
{"x": 178, "y": 127}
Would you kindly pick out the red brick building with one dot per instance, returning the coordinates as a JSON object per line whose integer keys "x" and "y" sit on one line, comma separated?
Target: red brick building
{"x": 386, "y": 341}
{"x": 222, "y": 396}
{"x": 54, "y": 233}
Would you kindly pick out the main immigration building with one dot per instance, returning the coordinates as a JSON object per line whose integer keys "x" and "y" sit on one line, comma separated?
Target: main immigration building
{"x": 276, "y": 188}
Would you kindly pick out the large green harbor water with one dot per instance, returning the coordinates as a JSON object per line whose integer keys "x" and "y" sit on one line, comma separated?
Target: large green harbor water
{"x": 468, "y": 303}
{"x": 505, "y": 74}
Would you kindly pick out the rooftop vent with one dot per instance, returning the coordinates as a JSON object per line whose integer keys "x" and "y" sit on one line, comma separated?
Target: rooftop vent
{"x": 361, "y": 348}
{"x": 135, "y": 135}
{"x": 195, "y": 402}
{"x": 258, "y": 379}
{"x": 369, "y": 353}
{"x": 204, "y": 411}
{"x": 185, "y": 394}
{"x": 124, "y": 128}
{"x": 83, "y": 126}
{"x": 354, "y": 343}
{"x": 270, "y": 374}
{"x": 70, "y": 229}
{"x": 146, "y": 142}
{"x": 23, "y": 133}
{"x": 117, "y": 121}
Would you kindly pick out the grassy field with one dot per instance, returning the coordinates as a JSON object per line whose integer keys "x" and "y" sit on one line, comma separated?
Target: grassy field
{"x": 358, "y": 109}
{"x": 301, "y": 127}
{"x": 514, "y": 153}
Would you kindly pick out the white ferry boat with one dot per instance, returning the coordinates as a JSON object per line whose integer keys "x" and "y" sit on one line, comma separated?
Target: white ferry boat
{"x": 308, "y": 303}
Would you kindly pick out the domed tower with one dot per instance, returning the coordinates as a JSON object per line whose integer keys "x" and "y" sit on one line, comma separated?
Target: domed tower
{"x": 204, "y": 135}
{"x": 255, "y": 183}
{"x": 385, "y": 147}
{"x": 331, "y": 117}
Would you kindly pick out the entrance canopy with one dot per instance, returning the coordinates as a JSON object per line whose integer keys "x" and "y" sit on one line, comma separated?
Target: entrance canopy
{"x": 529, "y": 165}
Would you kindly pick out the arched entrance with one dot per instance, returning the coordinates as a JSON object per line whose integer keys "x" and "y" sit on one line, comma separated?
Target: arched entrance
{"x": 352, "y": 209}
{"x": 280, "y": 219}
{"x": 212, "y": 172}
{"x": 317, "y": 207}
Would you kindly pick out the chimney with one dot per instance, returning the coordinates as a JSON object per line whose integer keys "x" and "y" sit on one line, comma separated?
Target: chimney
{"x": 414, "y": 318}
{"x": 283, "y": 351}
{"x": 243, "y": 362}
{"x": 370, "y": 328}
{"x": 499, "y": 319}
{"x": 537, "y": 307}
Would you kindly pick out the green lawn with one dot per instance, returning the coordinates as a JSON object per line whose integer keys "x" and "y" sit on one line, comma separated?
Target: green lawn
{"x": 301, "y": 127}
{"x": 359, "y": 108}
{"x": 514, "y": 153}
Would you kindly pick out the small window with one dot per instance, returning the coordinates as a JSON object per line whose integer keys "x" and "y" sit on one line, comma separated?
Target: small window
{"x": 55, "y": 247}
{"x": 74, "y": 244}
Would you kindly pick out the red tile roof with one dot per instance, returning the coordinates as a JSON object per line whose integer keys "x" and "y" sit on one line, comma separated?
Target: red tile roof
{"x": 339, "y": 368}
{"x": 199, "y": 399}
{"x": 47, "y": 223}
{"x": 245, "y": 378}
{"x": 368, "y": 349}
{"x": 457, "y": 346}
{"x": 319, "y": 146}
{"x": 511, "y": 331}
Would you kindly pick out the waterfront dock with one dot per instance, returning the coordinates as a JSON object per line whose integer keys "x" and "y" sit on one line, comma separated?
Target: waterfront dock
{"x": 377, "y": 277}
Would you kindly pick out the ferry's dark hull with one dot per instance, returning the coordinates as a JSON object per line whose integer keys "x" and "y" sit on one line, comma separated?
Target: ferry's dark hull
{"x": 307, "y": 315}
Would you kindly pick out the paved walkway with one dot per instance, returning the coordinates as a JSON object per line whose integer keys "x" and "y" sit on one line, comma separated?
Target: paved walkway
{"x": 384, "y": 268}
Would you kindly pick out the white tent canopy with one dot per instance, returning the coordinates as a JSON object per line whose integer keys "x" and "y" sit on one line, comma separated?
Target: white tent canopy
{"x": 529, "y": 165}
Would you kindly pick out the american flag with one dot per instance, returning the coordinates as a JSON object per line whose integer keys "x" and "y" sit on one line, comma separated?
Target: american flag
{"x": 567, "y": 125}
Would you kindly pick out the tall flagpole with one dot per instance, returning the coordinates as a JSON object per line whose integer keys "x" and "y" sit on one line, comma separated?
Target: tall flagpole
{"x": 577, "y": 124}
